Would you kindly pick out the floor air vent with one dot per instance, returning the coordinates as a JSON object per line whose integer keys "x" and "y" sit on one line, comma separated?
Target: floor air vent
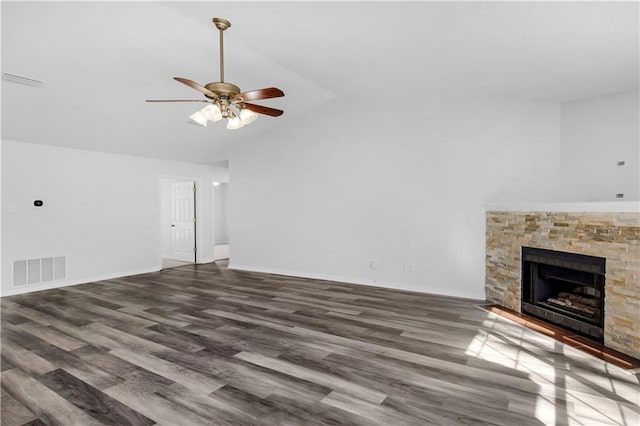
{"x": 36, "y": 271}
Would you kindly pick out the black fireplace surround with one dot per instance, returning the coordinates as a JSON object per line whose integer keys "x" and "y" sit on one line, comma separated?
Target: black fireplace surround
{"x": 565, "y": 289}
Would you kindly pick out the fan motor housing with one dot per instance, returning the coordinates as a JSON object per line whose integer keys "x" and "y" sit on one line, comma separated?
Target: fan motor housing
{"x": 223, "y": 89}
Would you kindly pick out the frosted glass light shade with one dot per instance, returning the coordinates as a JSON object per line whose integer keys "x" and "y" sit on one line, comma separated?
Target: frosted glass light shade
{"x": 234, "y": 123}
{"x": 199, "y": 118}
{"x": 212, "y": 113}
{"x": 247, "y": 116}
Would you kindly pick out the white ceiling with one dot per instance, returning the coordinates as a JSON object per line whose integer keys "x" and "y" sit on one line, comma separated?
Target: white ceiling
{"x": 100, "y": 61}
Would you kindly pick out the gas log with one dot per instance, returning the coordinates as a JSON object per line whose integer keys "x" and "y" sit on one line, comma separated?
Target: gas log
{"x": 584, "y": 305}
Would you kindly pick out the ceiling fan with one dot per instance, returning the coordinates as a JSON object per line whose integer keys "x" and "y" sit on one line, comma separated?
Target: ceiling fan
{"x": 225, "y": 99}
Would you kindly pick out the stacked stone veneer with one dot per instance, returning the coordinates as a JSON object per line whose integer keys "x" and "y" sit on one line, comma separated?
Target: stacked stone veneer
{"x": 614, "y": 236}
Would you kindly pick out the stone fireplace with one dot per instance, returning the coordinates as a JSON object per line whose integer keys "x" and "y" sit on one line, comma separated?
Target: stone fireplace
{"x": 579, "y": 230}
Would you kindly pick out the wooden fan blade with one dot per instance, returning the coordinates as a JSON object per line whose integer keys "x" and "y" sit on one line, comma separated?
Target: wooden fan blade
{"x": 176, "y": 100}
{"x": 264, "y": 110}
{"x": 255, "y": 95}
{"x": 196, "y": 86}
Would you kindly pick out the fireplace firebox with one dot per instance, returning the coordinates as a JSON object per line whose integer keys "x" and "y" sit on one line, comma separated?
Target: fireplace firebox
{"x": 566, "y": 289}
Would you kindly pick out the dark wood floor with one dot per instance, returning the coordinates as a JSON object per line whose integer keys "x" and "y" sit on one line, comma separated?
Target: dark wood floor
{"x": 207, "y": 345}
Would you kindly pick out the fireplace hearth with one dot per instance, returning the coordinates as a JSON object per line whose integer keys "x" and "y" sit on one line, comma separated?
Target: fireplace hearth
{"x": 565, "y": 289}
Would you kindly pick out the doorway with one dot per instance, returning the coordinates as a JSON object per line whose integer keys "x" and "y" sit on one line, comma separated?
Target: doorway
{"x": 178, "y": 201}
{"x": 221, "y": 246}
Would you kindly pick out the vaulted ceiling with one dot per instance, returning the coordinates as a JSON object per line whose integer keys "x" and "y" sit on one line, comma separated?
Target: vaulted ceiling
{"x": 101, "y": 60}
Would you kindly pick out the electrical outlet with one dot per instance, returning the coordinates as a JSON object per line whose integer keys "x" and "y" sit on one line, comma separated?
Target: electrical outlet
{"x": 409, "y": 267}
{"x": 373, "y": 265}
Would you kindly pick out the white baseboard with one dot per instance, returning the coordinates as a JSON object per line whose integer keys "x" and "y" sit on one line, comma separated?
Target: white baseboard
{"x": 362, "y": 281}
{"x": 276, "y": 271}
{"x": 66, "y": 283}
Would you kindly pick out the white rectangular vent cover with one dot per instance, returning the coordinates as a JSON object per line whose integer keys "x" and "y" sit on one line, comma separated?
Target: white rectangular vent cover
{"x": 15, "y": 78}
{"x": 36, "y": 271}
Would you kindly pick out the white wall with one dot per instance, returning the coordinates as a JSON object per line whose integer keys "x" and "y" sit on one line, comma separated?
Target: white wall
{"x": 220, "y": 207}
{"x": 596, "y": 134}
{"x": 102, "y": 211}
{"x": 364, "y": 179}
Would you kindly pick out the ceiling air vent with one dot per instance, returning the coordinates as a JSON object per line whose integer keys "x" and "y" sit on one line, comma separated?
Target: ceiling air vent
{"x": 15, "y": 78}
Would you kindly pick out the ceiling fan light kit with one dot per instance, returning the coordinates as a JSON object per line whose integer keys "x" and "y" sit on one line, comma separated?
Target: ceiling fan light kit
{"x": 212, "y": 113}
{"x": 199, "y": 118}
{"x": 247, "y": 116}
{"x": 234, "y": 123}
{"x": 225, "y": 100}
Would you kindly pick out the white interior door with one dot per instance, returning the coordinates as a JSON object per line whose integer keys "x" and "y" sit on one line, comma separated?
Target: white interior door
{"x": 183, "y": 220}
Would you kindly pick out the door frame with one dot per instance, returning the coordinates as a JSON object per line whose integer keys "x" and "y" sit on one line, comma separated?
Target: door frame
{"x": 213, "y": 221}
{"x": 197, "y": 229}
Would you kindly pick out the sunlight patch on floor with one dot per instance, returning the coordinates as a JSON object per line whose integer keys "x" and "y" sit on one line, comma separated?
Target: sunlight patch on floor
{"x": 500, "y": 350}
{"x": 564, "y": 396}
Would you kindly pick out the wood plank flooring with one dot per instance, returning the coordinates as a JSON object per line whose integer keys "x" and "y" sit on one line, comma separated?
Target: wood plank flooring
{"x": 203, "y": 345}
